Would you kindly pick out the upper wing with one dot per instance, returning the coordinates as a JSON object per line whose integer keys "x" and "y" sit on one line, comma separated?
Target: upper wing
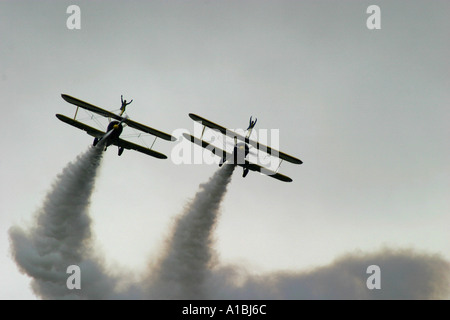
{"x": 212, "y": 125}
{"x": 129, "y": 145}
{"x": 108, "y": 114}
{"x": 217, "y": 151}
{"x": 270, "y": 173}
{"x": 92, "y": 131}
{"x": 273, "y": 152}
{"x": 257, "y": 145}
{"x": 90, "y": 107}
{"x": 152, "y": 131}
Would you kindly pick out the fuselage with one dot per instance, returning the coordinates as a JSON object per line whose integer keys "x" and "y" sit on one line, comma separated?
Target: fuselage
{"x": 116, "y": 128}
{"x": 112, "y": 134}
{"x": 240, "y": 152}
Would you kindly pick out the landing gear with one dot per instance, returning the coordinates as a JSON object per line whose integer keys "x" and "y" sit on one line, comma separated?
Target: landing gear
{"x": 120, "y": 151}
{"x": 245, "y": 172}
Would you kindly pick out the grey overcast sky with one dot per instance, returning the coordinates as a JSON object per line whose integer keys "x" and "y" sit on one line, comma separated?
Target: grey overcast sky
{"x": 366, "y": 110}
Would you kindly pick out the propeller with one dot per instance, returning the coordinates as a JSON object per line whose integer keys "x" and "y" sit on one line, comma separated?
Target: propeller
{"x": 252, "y": 150}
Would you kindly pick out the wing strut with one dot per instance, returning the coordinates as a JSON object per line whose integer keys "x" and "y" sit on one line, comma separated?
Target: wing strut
{"x": 281, "y": 160}
{"x": 76, "y": 112}
{"x": 203, "y": 131}
{"x": 153, "y": 142}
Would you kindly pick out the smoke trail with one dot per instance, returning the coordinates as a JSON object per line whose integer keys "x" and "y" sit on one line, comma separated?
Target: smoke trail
{"x": 189, "y": 268}
{"x": 61, "y": 236}
{"x": 184, "y": 270}
{"x": 405, "y": 274}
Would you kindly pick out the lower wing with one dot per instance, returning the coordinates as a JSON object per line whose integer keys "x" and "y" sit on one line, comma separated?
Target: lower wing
{"x": 132, "y": 146}
{"x": 91, "y": 131}
{"x": 247, "y": 165}
{"x": 257, "y": 168}
{"x": 217, "y": 151}
{"x": 119, "y": 142}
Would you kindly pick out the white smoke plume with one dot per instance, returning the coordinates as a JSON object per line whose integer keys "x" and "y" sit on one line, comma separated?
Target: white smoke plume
{"x": 185, "y": 267}
{"x": 405, "y": 274}
{"x": 188, "y": 267}
{"x": 61, "y": 236}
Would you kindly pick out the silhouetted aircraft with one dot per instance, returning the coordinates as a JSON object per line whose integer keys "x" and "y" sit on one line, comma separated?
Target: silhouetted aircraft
{"x": 241, "y": 149}
{"x": 115, "y": 128}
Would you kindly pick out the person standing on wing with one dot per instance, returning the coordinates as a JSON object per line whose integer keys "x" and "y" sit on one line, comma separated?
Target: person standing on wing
{"x": 124, "y": 104}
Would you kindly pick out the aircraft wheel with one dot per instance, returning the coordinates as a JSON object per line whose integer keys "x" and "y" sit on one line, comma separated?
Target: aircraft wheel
{"x": 120, "y": 151}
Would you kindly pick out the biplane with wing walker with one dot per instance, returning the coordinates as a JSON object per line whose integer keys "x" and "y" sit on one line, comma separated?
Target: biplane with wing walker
{"x": 241, "y": 149}
{"x": 115, "y": 128}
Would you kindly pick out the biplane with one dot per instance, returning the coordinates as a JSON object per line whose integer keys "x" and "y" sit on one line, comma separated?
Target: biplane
{"x": 241, "y": 149}
{"x": 114, "y": 129}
